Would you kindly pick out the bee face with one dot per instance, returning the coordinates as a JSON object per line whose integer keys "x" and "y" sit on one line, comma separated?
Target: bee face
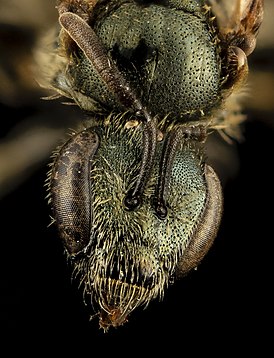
{"x": 126, "y": 258}
{"x": 134, "y": 200}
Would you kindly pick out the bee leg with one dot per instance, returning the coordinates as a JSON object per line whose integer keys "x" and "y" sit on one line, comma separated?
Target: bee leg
{"x": 197, "y": 132}
{"x": 87, "y": 40}
{"x": 82, "y": 8}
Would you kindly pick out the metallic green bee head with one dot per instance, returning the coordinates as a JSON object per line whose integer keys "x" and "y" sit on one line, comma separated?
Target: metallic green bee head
{"x": 125, "y": 258}
{"x": 134, "y": 200}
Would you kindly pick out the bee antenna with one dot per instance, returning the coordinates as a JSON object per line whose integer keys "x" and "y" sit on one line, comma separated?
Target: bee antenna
{"x": 87, "y": 40}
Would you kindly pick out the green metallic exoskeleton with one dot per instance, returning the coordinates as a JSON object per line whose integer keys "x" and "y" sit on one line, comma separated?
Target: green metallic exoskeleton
{"x": 125, "y": 258}
{"x": 134, "y": 199}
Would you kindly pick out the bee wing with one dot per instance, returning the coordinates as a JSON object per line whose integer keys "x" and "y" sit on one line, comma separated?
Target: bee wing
{"x": 238, "y": 21}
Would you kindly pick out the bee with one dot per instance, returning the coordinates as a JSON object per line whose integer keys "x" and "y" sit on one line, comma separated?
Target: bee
{"x": 135, "y": 201}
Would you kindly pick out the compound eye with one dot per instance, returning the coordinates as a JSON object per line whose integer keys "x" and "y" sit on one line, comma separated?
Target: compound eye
{"x": 70, "y": 190}
{"x": 207, "y": 228}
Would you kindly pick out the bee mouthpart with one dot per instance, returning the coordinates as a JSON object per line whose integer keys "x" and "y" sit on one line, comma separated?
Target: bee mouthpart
{"x": 118, "y": 299}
